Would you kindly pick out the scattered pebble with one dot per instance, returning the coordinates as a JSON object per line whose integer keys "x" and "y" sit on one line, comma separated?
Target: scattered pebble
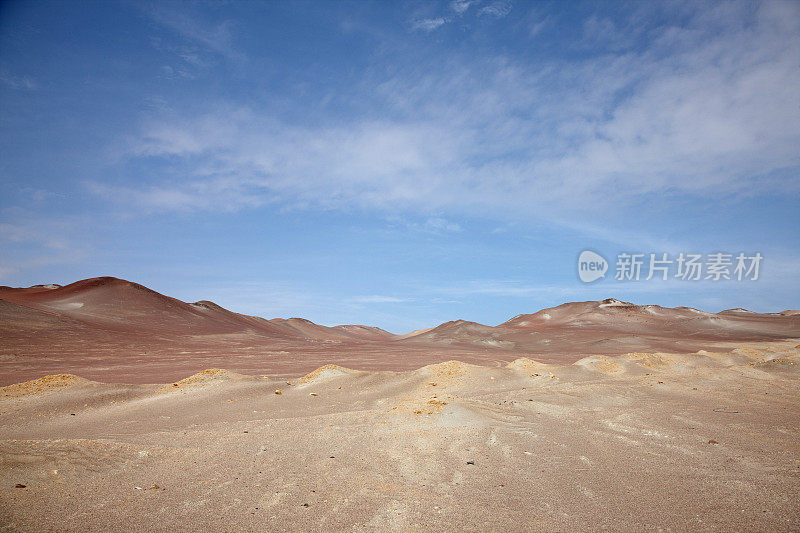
{"x": 19, "y": 486}
{"x": 712, "y": 441}
{"x": 470, "y": 462}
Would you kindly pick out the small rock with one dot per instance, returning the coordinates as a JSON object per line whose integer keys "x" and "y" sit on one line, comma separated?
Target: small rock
{"x": 19, "y": 486}
{"x": 712, "y": 441}
{"x": 278, "y": 391}
{"x": 470, "y": 462}
{"x": 312, "y": 394}
{"x": 305, "y": 505}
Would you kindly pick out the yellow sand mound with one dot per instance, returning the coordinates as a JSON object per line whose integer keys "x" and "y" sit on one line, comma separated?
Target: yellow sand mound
{"x": 43, "y": 384}
{"x": 324, "y": 372}
{"x": 525, "y": 364}
{"x": 601, "y": 363}
{"x": 205, "y": 376}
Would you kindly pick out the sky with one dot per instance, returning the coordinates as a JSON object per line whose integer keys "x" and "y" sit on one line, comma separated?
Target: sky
{"x": 401, "y": 164}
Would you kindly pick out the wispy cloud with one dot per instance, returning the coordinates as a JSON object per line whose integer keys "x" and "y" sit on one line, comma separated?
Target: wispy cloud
{"x": 432, "y": 225}
{"x": 428, "y": 24}
{"x": 701, "y": 112}
{"x": 379, "y": 299}
{"x": 28, "y": 233}
{"x": 460, "y": 6}
{"x": 497, "y": 9}
{"x": 458, "y": 9}
{"x": 32, "y": 241}
{"x": 440, "y": 225}
{"x": 18, "y": 82}
{"x": 217, "y": 195}
{"x": 216, "y": 36}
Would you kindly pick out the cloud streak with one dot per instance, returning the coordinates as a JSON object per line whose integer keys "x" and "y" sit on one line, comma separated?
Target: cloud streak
{"x": 429, "y": 24}
{"x": 699, "y": 112}
{"x": 378, "y": 299}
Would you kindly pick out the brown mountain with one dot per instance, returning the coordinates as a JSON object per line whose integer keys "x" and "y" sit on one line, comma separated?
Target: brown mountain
{"x": 115, "y": 330}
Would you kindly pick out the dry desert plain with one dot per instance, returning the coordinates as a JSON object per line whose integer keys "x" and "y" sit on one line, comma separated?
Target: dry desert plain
{"x": 125, "y": 410}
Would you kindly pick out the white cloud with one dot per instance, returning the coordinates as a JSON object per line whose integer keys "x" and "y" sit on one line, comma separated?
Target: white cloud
{"x": 438, "y": 225}
{"x": 428, "y": 24}
{"x": 378, "y": 299}
{"x": 706, "y": 110}
{"x": 432, "y": 225}
{"x": 496, "y": 9}
{"x": 18, "y": 82}
{"x": 31, "y": 232}
{"x": 460, "y": 6}
{"x": 33, "y": 241}
{"x": 537, "y": 26}
{"x": 215, "y": 36}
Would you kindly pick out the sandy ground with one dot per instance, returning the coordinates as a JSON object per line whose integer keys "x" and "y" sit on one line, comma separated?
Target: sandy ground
{"x": 702, "y": 441}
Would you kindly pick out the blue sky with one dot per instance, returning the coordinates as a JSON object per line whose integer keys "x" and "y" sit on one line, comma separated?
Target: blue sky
{"x": 399, "y": 164}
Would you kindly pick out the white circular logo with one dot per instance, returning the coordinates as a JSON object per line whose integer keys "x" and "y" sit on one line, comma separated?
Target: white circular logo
{"x": 591, "y": 266}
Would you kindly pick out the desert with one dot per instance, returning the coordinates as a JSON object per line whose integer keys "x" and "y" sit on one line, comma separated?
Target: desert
{"x": 467, "y": 428}
{"x": 399, "y": 266}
